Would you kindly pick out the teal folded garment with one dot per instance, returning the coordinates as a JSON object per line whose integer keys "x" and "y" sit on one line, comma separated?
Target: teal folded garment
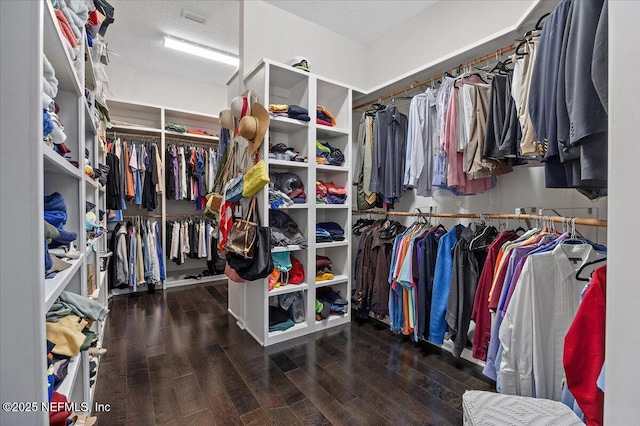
{"x": 282, "y": 326}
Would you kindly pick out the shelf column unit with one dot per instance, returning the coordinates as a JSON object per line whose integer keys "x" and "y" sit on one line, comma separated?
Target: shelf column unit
{"x": 275, "y": 83}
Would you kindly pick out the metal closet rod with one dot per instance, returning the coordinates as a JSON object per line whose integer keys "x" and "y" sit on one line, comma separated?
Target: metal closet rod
{"x": 429, "y": 80}
{"x": 170, "y": 215}
{"x": 556, "y": 219}
{"x": 135, "y": 135}
{"x": 185, "y": 141}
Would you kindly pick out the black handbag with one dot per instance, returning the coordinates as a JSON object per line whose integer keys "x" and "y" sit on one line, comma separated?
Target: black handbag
{"x": 260, "y": 264}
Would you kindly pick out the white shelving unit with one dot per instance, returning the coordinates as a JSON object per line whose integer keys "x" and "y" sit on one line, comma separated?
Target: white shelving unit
{"x": 29, "y": 170}
{"x": 276, "y": 83}
{"x": 148, "y": 122}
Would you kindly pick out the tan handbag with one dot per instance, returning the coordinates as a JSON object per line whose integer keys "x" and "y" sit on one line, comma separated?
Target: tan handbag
{"x": 242, "y": 235}
{"x": 215, "y": 198}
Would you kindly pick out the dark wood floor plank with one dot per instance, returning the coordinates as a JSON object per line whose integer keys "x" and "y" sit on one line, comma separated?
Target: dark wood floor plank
{"x": 283, "y": 416}
{"x": 164, "y": 398}
{"x": 322, "y": 399}
{"x": 177, "y": 357}
{"x": 256, "y": 417}
{"x": 201, "y": 418}
{"x": 189, "y": 395}
{"x": 309, "y": 414}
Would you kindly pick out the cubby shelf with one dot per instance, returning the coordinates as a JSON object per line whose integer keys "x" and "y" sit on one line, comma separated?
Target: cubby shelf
{"x": 56, "y": 285}
{"x": 289, "y": 288}
{"x": 280, "y": 84}
{"x": 288, "y": 164}
{"x": 338, "y": 279}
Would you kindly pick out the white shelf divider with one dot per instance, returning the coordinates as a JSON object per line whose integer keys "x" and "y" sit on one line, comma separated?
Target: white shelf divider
{"x": 56, "y": 285}
{"x": 56, "y": 163}
{"x": 289, "y": 288}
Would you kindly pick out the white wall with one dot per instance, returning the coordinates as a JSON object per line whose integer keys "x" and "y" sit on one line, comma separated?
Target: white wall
{"x": 622, "y": 399}
{"x": 439, "y": 30}
{"x": 275, "y": 34}
{"x": 133, "y": 84}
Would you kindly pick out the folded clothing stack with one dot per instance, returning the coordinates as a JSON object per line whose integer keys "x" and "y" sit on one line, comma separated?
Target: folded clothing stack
{"x": 55, "y": 216}
{"x": 324, "y": 117}
{"x": 52, "y": 127}
{"x": 280, "y": 151}
{"x": 71, "y": 16}
{"x": 329, "y": 302}
{"x": 284, "y": 230}
{"x": 288, "y": 312}
{"x": 323, "y": 268}
{"x": 298, "y": 113}
{"x": 326, "y": 154}
{"x": 329, "y": 193}
{"x": 182, "y": 129}
{"x": 329, "y": 231}
{"x": 279, "y": 110}
{"x": 290, "y": 184}
{"x": 287, "y": 270}
{"x": 295, "y": 112}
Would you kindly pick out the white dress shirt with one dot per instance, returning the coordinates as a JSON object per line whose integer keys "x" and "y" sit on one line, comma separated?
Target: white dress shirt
{"x": 420, "y": 142}
{"x": 541, "y": 310}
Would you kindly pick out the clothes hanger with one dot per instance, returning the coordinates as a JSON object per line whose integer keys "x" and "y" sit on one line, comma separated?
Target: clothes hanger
{"x": 585, "y": 266}
{"x": 541, "y": 21}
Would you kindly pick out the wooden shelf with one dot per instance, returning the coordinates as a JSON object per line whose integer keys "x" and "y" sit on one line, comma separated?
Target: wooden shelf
{"x": 297, "y": 327}
{"x": 54, "y": 286}
{"x": 327, "y": 132}
{"x": 287, "y": 164}
{"x": 285, "y": 124}
{"x": 89, "y": 71}
{"x": 333, "y": 321}
{"x": 56, "y": 52}
{"x": 185, "y": 135}
{"x": 293, "y": 207}
{"x": 331, "y": 244}
{"x": 332, "y": 206}
{"x": 91, "y": 182}
{"x": 287, "y": 248}
{"x": 89, "y": 124}
{"x": 289, "y": 288}
{"x": 337, "y": 279}
{"x": 135, "y": 129}
{"x": 328, "y": 168}
{"x": 55, "y": 163}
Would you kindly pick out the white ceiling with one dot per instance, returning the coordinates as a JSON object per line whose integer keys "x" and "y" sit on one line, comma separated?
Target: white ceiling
{"x": 361, "y": 20}
{"x": 136, "y": 36}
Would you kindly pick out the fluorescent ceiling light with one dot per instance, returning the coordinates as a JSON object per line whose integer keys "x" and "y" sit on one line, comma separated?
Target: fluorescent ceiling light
{"x": 199, "y": 50}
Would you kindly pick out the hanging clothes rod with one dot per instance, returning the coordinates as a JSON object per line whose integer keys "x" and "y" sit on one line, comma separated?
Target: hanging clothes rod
{"x": 556, "y": 219}
{"x": 186, "y": 141}
{"x": 157, "y": 216}
{"x": 142, "y": 216}
{"x": 440, "y": 76}
{"x": 134, "y": 135}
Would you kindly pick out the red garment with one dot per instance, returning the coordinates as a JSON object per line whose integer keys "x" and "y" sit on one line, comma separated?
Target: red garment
{"x": 65, "y": 28}
{"x": 58, "y": 417}
{"x": 480, "y": 313}
{"x": 584, "y": 349}
{"x": 324, "y": 122}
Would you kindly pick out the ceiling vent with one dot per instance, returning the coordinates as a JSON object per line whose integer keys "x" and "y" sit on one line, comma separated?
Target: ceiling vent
{"x": 193, "y": 16}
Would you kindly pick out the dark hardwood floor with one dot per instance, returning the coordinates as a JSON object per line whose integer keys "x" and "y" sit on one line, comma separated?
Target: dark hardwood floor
{"x": 178, "y": 358}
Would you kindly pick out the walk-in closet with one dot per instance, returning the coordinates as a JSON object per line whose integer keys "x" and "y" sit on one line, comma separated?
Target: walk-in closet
{"x": 255, "y": 212}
